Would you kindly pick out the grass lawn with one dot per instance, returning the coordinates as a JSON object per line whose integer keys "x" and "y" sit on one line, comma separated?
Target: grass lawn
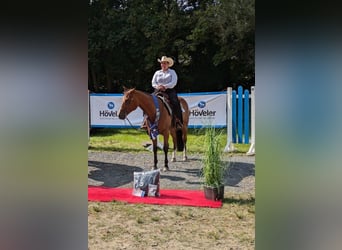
{"x": 125, "y": 140}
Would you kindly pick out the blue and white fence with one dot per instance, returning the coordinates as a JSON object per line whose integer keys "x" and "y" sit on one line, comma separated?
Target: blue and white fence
{"x": 240, "y": 118}
{"x": 232, "y": 109}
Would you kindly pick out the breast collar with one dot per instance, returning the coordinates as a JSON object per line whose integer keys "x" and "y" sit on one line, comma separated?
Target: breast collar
{"x": 154, "y": 126}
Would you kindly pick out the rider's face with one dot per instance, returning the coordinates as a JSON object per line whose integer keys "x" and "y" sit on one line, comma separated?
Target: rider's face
{"x": 164, "y": 65}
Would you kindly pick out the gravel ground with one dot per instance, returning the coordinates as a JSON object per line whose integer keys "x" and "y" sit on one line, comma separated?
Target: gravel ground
{"x": 115, "y": 169}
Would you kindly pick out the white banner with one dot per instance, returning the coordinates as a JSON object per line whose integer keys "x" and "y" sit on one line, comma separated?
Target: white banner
{"x": 104, "y": 112}
{"x": 205, "y": 109}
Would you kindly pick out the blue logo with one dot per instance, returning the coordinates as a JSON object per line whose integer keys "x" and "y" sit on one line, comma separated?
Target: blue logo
{"x": 110, "y": 105}
{"x": 201, "y": 104}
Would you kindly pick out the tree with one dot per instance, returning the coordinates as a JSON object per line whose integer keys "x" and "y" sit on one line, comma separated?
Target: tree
{"x": 212, "y": 43}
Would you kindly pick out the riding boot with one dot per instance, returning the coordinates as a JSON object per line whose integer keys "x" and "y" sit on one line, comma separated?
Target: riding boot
{"x": 177, "y": 119}
{"x": 177, "y": 123}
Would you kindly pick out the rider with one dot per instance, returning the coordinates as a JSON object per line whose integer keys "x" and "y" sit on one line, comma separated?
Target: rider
{"x": 165, "y": 80}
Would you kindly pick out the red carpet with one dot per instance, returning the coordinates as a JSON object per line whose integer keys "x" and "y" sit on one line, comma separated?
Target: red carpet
{"x": 167, "y": 197}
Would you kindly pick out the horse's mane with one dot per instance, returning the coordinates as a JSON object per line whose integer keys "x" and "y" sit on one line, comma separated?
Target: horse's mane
{"x": 131, "y": 89}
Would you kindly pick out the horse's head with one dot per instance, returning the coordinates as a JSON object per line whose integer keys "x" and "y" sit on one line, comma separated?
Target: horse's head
{"x": 129, "y": 103}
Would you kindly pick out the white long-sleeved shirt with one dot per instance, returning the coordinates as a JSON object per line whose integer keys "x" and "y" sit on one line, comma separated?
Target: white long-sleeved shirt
{"x": 167, "y": 78}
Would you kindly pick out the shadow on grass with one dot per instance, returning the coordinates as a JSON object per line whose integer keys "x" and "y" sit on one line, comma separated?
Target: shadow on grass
{"x": 117, "y": 149}
{"x": 112, "y": 131}
{"x": 103, "y": 132}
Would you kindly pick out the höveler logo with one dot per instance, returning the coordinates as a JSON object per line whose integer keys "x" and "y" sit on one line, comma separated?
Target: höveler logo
{"x": 201, "y": 104}
{"x": 201, "y": 112}
{"x": 110, "y": 105}
{"x": 109, "y": 113}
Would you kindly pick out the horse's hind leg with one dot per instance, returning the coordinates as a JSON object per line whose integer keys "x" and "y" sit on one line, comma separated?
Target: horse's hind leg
{"x": 185, "y": 157}
{"x": 173, "y": 159}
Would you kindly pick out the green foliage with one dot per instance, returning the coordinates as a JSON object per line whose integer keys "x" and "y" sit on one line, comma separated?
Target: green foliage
{"x": 213, "y": 167}
{"x": 212, "y": 43}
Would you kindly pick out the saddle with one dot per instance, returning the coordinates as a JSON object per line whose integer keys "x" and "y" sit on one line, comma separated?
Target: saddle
{"x": 166, "y": 101}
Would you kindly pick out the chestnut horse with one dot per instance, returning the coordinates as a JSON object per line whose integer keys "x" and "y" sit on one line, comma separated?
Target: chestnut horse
{"x": 133, "y": 98}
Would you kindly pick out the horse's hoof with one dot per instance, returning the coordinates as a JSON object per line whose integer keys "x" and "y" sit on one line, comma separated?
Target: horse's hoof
{"x": 165, "y": 169}
{"x": 154, "y": 168}
{"x": 173, "y": 160}
{"x": 185, "y": 158}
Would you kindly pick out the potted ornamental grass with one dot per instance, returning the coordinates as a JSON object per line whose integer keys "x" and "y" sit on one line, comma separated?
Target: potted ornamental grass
{"x": 213, "y": 167}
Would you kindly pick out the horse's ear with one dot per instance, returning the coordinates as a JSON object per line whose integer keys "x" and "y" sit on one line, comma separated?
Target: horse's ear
{"x": 127, "y": 89}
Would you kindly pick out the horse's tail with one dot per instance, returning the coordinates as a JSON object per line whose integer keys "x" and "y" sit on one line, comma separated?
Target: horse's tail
{"x": 180, "y": 142}
{"x": 182, "y": 134}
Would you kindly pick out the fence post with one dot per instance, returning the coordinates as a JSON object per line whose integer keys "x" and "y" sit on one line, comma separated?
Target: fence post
{"x": 246, "y": 116}
{"x": 251, "y": 150}
{"x": 240, "y": 102}
{"x": 234, "y": 115}
{"x": 229, "y": 146}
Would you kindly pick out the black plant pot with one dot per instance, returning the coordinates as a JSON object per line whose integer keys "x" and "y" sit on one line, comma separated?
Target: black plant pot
{"x": 214, "y": 193}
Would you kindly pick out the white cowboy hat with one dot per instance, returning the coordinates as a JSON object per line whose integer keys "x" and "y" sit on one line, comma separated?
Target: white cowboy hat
{"x": 166, "y": 59}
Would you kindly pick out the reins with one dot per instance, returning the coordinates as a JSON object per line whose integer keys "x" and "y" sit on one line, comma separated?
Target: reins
{"x": 131, "y": 124}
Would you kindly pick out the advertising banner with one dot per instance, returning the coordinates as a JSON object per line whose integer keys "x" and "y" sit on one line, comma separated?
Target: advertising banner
{"x": 205, "y": 109}
{"x": 104, "y": 112}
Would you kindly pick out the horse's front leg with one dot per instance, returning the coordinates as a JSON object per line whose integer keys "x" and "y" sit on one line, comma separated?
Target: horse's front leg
{"x": 166, "y": 149}
{"x": 155, "y": 158}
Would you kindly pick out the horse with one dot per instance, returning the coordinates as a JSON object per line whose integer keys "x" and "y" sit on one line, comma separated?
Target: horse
{"x": 133, "y": 98}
